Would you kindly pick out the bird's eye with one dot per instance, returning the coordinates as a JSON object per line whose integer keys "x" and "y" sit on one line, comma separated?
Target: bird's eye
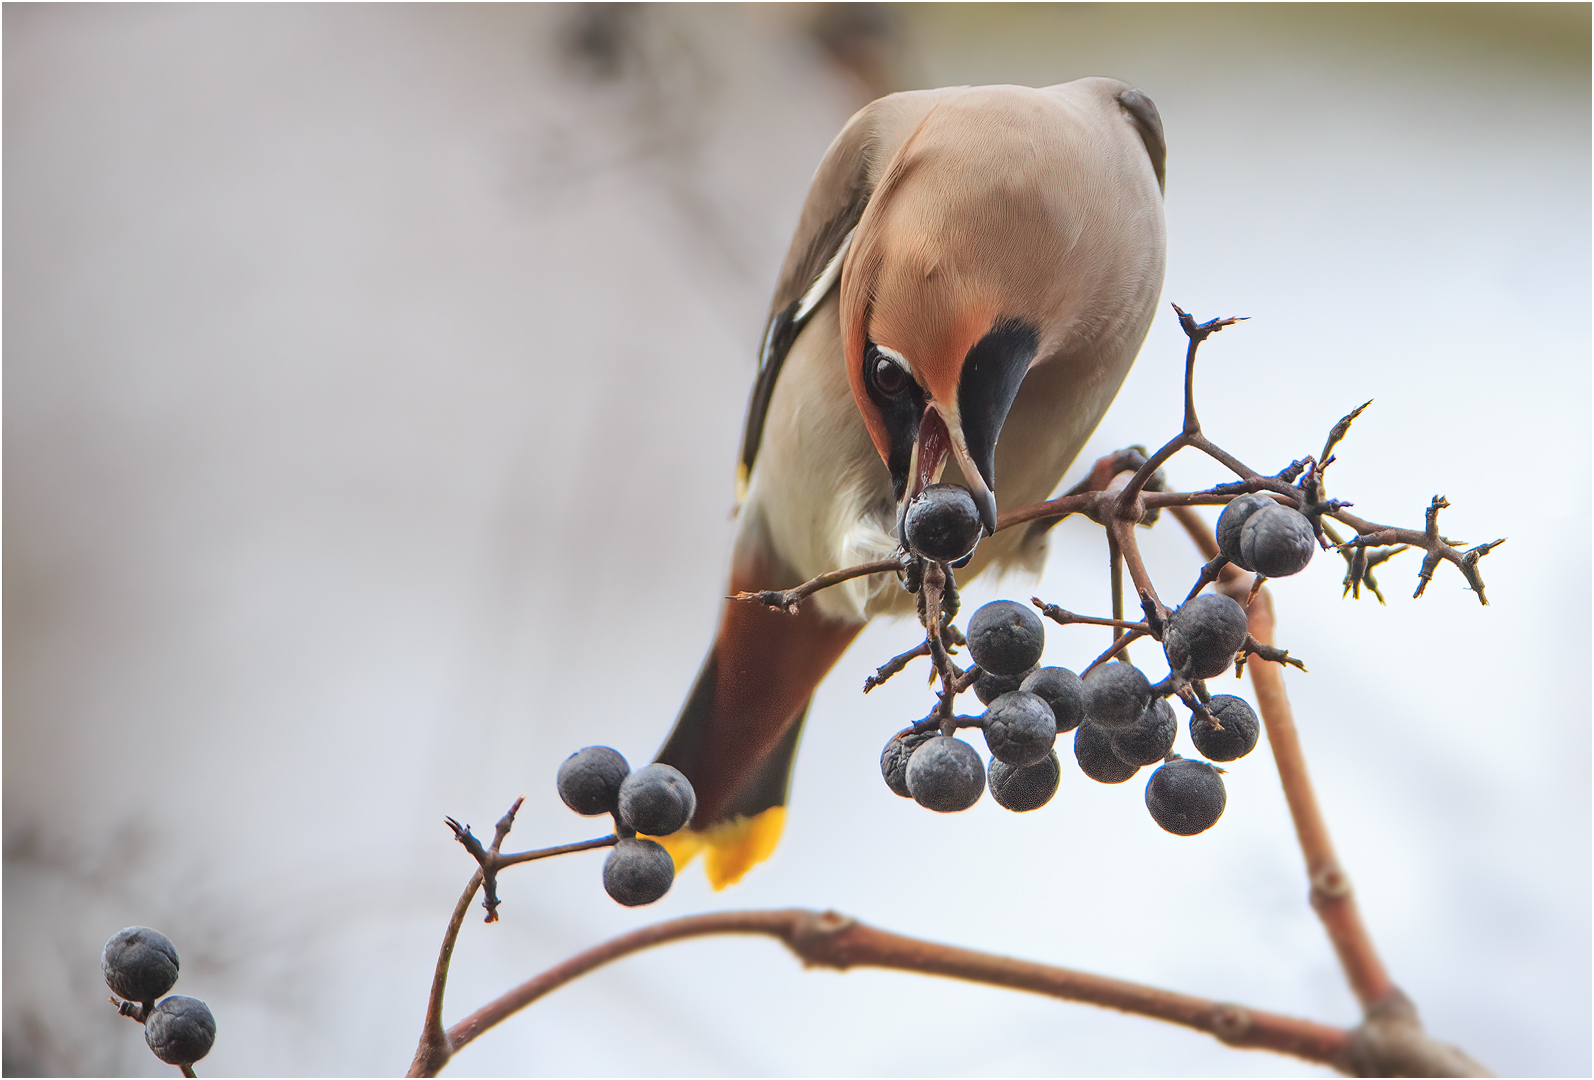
{"x": 886, "y": 375}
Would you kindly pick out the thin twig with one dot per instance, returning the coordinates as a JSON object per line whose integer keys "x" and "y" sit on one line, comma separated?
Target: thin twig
{"x": 789, "y": 600}
{"x": 434, "y": 1049}
{"x": 1116, "y": 648}
{"x": 548, "y": 852}
{"x": 1064, "y": 617}
{"x": 895, "y": 664}
{"x": 835, "y": 941}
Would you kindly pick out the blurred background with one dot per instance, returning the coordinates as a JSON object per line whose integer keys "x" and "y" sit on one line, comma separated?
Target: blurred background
{"x": 374, "y": 378}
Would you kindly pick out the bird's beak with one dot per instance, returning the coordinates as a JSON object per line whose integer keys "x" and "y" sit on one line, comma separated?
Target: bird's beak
{"x": 937, "y": 440}
{"x": 963, "y": 418}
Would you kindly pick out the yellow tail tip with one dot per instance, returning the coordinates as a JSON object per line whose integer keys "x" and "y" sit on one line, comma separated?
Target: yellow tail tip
{"x": 733, "y": 847}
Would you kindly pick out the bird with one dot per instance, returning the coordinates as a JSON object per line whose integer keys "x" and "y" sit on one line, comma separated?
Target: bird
{"x": 973, "y": 272}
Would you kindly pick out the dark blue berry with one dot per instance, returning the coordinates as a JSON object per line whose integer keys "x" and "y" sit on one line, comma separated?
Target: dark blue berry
{"x": 1062, "y": 690}
{"x": 1116, "y": 695}
{"x": 942, "y": 523}
{"x": 590, "y": 779}
{"x": 1185, "y": 796}
{"x": 1202, "y": 637}
{"x": 657, "y": 800}
{"x": 894, "y": 760}
{"x": 1024, "y": 787}
{"x": 989, "y": 687}
{"x": 139, "y": 964}
{"x": 1150, "y": 738}
{"x": 1239, "y": 734}
{"x": 638, "y": 871}
{"x": 180, "y": 1030}
{"x": 1232, "y": 520}
{"x": 945, "y": 775}
{"x": 1093, "y": 751}
{"x": 1006, "y": 638}
{"x": 1277, "y": 541}
{"x": 1019, "y": 728}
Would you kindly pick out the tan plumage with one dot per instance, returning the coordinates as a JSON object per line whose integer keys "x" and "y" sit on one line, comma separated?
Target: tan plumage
{"x": 957, "y": 245}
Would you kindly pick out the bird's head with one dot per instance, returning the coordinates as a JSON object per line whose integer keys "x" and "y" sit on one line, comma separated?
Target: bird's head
{"x": 944, "y": 399}
{"x": 938, "y": 337}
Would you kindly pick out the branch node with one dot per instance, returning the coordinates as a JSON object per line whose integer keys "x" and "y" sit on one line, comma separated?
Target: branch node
{"x": 1231, "y": 1023}
{"x": 1329, "y": 883}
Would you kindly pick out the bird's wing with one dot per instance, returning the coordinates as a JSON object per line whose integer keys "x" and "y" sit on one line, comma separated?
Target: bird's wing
{"x": 842, "y": 185}
{"x": 1148, "y": 123}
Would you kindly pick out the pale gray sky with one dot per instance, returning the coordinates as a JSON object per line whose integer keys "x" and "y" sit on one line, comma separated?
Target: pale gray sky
{"x": 373, "y": 385}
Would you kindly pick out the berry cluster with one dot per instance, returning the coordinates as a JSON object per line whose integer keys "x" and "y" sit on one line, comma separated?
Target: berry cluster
{"x": 140, "y": 965}
{"x": 1121, "y": 721}
{"x": 1270, "y": 525}
{"x": 656, "y": 800}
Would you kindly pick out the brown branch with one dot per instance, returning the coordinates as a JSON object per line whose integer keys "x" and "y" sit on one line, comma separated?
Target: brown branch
{"x": 1075, "y": 503}
{"x": 435, "y": 1049}
{"x": 1064, "y": 617}
{"x": 1117, "y": 647}
{"x": 937, "y": 582}
{"x": 1124, "y": 531}
{"x": 548, "y": 852}
{"x": 1331, "y": 894}
{"x": 789, "y": 600}
{"x": 835, "y": 941}
{"x": 1436, "y": 547}
{"x": 1390, "y": 1040}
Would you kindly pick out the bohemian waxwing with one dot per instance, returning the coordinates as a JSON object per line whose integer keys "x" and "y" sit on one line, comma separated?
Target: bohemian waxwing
{"x": 972, "y": 275}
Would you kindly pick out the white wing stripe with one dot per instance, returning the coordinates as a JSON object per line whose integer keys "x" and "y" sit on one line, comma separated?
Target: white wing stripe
{"x": 826, "y": 280}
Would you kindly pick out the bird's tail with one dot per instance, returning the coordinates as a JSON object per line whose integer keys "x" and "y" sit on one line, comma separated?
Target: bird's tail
{"x": 737, "y": 734}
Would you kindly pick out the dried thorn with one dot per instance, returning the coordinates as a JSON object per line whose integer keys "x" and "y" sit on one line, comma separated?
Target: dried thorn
{"x": 487, "y": 860}
{"x": 896, "y": 664}
{"x": 771, "y": 598}
{"x": 1430, "y": 563}
{"x": 505, "y": 823}
{"x": 1361, "y": 561}
{"x": 133, "y": 1010}
{"x": 462, "y": 833}
{"x": 1268, "y": 652}
{"x": 1432, "y": 516}
{"x": 1154, "y": 621}
{"x": 1293, "y": 470}
{"x": 1192, "y": 699}
{"x": 1372, "y": 583}
{"x": 1337, "y": 432}
{"x": 949, "y": 597}
{"x": 1469, "y": 567}
{"x": 1201, "y": 331}
{"x": 1481, "y": 550}
{"x": 1256, "y": 587}
{"x": 1058, "y": 615}
{"x": 1357, "y": 560}
{"x": 1209, "y": 574}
